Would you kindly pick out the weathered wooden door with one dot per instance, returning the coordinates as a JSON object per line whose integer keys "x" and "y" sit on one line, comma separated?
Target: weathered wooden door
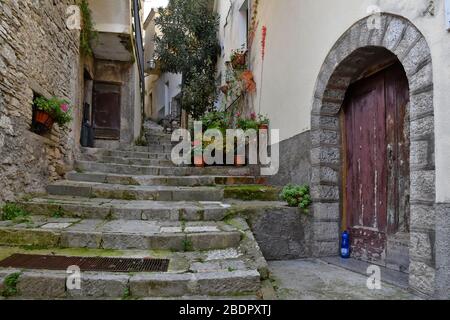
{"x": 376, "y": 169}
{"x": 106, "y": 111}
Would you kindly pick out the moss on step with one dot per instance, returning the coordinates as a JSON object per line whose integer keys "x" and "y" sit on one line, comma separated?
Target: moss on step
{"x": 71, "y": 252}
{"x": 24, "y": 237}
{"x": 10, "y": 285}
{"x": 252, "y": 192}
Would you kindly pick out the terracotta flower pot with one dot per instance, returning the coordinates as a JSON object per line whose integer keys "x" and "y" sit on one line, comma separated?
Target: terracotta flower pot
{"x": 224, "y": 89}
{"x": 239, "y": 160}
{"x": 263, "y": 127}
{"x": 43, "y": 120}
{"x": 238, "y": 61}
{"x": 199, "y": 162}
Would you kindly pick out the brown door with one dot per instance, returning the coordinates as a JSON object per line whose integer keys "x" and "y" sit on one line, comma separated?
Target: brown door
{"x": 376, "y": 173}
{"x": 106, "y": 111}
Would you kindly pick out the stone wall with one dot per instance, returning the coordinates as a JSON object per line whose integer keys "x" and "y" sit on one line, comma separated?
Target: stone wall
{"x": 37, "y": 54}
{"x": 295, "y": 164}
{"x": 282, "y": 233}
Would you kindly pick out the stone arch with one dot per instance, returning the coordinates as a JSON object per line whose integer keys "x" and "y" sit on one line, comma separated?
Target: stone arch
{"x": 343, "y": 65}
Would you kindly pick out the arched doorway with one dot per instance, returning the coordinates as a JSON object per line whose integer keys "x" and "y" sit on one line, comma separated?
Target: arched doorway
{"x": 362, "y": 53}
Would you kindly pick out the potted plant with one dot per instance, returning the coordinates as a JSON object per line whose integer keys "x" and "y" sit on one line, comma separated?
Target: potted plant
{"x": 246, "y": 123}
{"x": 248, "y": 81}
{"x": 263, "y": 122}
{"x": 238, "y": 58}
{"x": 239, "y": 160}
{"x": 49, "y": 111}
{"x": 197, "y": 154}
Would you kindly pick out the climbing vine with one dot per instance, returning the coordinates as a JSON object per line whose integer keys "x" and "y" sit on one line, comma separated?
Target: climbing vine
{"x": 253, "y": 23}
{"x": 88, "y": 34}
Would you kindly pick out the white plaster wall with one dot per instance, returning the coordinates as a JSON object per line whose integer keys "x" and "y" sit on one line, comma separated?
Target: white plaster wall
{"x": 111, "y": 15}
{"x": 231, "y": 30}
{"x": 157, "y": 88}
{"x": 300, "y": 33}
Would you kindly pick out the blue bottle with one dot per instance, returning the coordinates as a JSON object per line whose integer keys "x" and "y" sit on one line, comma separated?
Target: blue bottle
{"x": 345, "y": 245}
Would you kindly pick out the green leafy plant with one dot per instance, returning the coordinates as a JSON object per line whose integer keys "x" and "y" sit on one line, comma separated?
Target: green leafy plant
{"x": 10, "y": 285}
{"x": 87, "y": 34}
{"x": 263, "y": 120}
{"x": 297, "y": 196}
{"x": 141, "y": 141}
{"x": 11, "y": 211}
{"x": 58, "y": 213}
{"x": 187, "y": 245}
{"x": 247, "y": 123}
{"x": 58, "y": 109}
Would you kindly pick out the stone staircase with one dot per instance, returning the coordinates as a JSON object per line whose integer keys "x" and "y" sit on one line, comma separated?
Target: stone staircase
{"x": 133, "y": 202}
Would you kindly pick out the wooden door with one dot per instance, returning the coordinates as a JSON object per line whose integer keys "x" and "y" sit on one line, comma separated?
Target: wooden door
{"x": 106, "y": 111}
{"x": 376, "y": 169}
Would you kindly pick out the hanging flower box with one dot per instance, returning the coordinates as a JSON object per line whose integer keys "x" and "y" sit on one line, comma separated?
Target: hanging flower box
{"x": 49, "y": 111}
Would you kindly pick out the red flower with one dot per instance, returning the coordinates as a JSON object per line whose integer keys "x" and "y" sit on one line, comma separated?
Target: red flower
{"x": 263, "y": 42}
{"x": 64, "y": 107}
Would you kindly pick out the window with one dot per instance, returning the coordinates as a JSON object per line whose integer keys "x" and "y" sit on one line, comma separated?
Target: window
{"x": 243, "y": 24}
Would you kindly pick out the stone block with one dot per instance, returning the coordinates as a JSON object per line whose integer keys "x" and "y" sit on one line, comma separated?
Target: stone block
{"x": 326, "y": 211}
{"x": 325, "y": 122}
{"x": 325, "y": 192}
{"x": 73, "y": 239}
{"x": 226, "y": 283}
{"x": 409, "y": 37}
{"x": 214, "y": 240}
{"x": 419, "y": 153}
{"x": 422, "y": 80}
{"x": 101, "y": 285}
{"x": 167, "y": 242}
{"x": 325, "y": 155}
{"x": 42, "y": 285}
{"x": 325, "y": 248}
{"x": 422, "y": 217}
{"x": 421, "y": 104}
{"x": 161, "y": 285}
{"x": 417, "y": 55}
{"x": 422, "y": 277}
{"x": 423, "y": 186}
{"x": 394, "y": 33}
{"x": 326, "y": 231}
{"x": 422, "y": 127}
{"x": 421, "y": 246}
{"x": 122, "y": 241}
{"x": 442, "y": 251}
{"x": 322, "y": 136}
{"x": 324, "y": 174}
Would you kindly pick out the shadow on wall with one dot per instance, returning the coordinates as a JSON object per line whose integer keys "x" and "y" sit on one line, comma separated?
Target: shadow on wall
{"x": 295, "y": 163}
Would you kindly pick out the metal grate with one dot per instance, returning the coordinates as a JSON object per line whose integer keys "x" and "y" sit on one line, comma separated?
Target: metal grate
{"x": 48, "y": 262}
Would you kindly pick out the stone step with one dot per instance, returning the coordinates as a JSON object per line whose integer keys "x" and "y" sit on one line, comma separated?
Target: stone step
{"x": 130, "y": 192}
{"x": 119, "y": 234}
{"x": 110, "y": 178}
{"x": 159, "y": 138}
{"x": 187, "y": 181}
{"x": 131, "y": 161}
{"x": 165, "y": 148}
{"x": 107, "y": 209}
{"x": 93, "y": 154}
{"x": 222, "y": 274}
{"x": 84, "y": 166}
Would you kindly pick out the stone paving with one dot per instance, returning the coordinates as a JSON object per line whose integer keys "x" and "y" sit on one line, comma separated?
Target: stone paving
{"x": 313, "y": 279}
